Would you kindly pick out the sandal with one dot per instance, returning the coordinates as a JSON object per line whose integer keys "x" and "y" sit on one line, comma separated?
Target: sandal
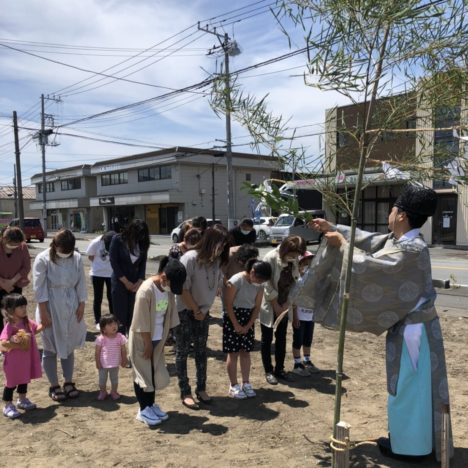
{"x": 70, "y": 390}
{"x": 56, "y": 393}
{"x": 192, "y": 405}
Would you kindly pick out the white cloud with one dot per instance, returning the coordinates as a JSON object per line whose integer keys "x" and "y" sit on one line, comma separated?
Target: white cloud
{"x": 137, "y": 24}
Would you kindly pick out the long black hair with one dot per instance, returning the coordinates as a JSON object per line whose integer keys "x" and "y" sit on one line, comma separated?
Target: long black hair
{"x": 136, "y": 234}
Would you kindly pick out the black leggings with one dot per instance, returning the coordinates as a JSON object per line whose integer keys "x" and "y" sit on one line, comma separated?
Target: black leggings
{"x": 8, "y": 391}
{"x": 280, "y": 346}
{"x": 98, "y": 288}
{"x": 303, "y": 335}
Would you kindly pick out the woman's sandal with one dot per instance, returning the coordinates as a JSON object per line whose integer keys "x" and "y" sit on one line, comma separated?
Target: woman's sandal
{"x": 70, "y": 390}
{"x": 193, "y": 406}
{"x": 56, "y": 393}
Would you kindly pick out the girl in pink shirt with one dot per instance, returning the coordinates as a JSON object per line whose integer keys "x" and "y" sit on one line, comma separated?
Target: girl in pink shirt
{"x": 21, "y": 362}
{"x": 110, "y": 353}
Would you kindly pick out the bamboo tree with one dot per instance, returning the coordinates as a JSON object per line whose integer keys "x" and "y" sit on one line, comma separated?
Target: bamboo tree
{"x": 358, "y": 46}
{"x": 361, "y": 48}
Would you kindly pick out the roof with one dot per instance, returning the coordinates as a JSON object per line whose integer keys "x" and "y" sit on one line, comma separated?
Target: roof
{"x": 181, "y": 150}
{"x": 60, "y": 171}
{"x": 7, "y": 191}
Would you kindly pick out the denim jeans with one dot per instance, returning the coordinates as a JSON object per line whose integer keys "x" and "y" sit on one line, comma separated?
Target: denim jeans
{"x": 187, "y": 332}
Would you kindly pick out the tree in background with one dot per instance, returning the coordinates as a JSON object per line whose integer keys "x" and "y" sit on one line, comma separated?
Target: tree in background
{"x": 395, "y": 58}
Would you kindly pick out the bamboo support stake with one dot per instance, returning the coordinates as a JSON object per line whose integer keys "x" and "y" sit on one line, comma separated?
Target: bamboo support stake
{"x": 340, "y": 445}
{"x": 445, "y": 438}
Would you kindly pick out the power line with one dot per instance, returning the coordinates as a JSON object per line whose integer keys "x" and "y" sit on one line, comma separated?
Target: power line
{"x": 84, "y": 69}
{"x": 139, "y": 54}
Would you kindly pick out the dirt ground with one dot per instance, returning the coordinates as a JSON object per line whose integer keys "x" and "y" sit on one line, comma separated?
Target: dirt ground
{"x": 287, "y": 425}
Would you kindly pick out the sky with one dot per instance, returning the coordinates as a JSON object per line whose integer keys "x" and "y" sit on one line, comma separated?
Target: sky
{"x": 156, "y": 44}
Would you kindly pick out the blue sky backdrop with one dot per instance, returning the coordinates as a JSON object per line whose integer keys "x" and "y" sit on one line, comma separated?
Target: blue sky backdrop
{"x": 158, "y": 45}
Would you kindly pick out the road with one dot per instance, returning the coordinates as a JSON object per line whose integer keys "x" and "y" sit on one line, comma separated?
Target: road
{"x": 446, "y": 264}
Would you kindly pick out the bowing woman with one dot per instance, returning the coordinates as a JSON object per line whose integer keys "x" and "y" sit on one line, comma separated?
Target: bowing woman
{"x": 60, "y": 290}
{"x": 128, "y": 255}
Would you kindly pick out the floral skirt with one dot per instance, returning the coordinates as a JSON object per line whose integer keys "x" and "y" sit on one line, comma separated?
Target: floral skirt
{"x": 234, "y": 342}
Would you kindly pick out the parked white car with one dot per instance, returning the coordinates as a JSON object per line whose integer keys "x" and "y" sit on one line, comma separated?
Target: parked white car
{"x": 175, "y": 232}
{"x": 288, "y": 224}
{"x": 263, "y": 227}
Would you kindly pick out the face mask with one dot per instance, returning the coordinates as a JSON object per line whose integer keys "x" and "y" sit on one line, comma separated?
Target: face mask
{"x": 290, "y": 259}
{"x": 166, "y": 288}
{"x": 11, "y": 247}
{"x": 245, "y": 232}
{"x": 63, "y": 255}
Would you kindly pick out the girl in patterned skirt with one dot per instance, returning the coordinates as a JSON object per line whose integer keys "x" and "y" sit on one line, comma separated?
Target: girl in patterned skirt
{"x": 242, "y": 300}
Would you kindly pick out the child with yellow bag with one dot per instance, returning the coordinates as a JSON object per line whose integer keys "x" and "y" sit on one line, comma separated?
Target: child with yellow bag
{"x": 21, "y": 356}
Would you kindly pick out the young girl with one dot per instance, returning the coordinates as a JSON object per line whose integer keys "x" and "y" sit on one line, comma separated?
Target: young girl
{"x": 303, "y": 328}
{"x": 21, "y": 363}
{"x": 243, "y": 298}
{"x": 155, "y": 313}
{"x": 110, "y": 353}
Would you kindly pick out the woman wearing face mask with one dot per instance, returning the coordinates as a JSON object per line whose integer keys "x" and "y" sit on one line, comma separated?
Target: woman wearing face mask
{"x": 285, "y": 272}
{"x": 60, "y": 289}
{"x": 15, "y": 263}
{"x": 204, "y": 279}
{"x": 244, "y": 233}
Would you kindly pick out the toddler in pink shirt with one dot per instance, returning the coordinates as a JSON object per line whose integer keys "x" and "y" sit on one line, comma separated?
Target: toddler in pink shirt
{"x": 110, "y": 353}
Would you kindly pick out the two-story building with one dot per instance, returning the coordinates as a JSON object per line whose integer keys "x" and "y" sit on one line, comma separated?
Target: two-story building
{"x": 435, "y": 145}
{"x": 162, "y": 187}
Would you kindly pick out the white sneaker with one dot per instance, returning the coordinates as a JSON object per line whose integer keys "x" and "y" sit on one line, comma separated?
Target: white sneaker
{"x": 148, "y": 417}
{"x": 25, "y": 404}
{"x": 98, "y": 328}
{"x": 235, "y": 391}
{"x": 162, "y": 415}
{"x": 11, "y": 412}
{"x": 248, "y": 390}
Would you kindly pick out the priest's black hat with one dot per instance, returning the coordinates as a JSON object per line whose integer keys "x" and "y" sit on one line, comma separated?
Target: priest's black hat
{"x": 421, "y": 201}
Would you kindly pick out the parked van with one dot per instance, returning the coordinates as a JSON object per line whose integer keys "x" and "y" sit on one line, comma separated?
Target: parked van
{"x": 32, "y": 228}
{"x": 289, "y": 225}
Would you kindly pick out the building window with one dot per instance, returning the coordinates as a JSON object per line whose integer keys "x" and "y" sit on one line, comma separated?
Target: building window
{"x": 154, "y": 173}
{"x": 50, "y": 187}
{"x": 446, "y": 146}
{"x": 248, "y": 177}
{"x": 71, "y": 184}
{"x": 116, "y": 178}
{"x": 341, "y": 139}
{"x": 165, "y": 172}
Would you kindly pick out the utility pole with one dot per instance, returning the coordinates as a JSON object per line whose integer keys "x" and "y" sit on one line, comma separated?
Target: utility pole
{"x": 18, "y": 183}
{"x": 43, "y": 137}
{"x": 229, "y": 48}
{"x": 15, "y": 192}
{"x": 42, "y": 142}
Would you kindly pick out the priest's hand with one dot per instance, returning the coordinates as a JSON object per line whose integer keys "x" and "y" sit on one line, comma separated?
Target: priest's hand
{"x": 320, "y": 225}
{"x": 335, "y": 239}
